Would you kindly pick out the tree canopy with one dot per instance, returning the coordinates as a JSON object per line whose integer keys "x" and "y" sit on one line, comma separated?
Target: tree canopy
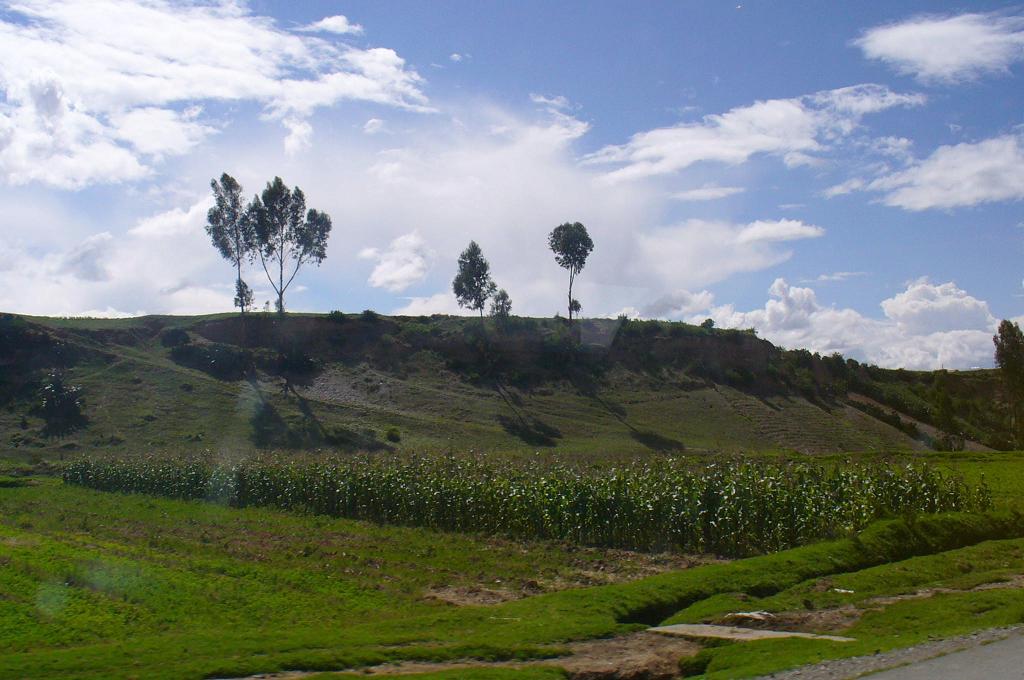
{"x": 230, "y": 229}
{"x": 1009, "y": 342}
{"x": 501, "y": 307}
{"x": 472, "y": 284}
{"x": 287, "y": 235}
{"x": 571, "y": 245}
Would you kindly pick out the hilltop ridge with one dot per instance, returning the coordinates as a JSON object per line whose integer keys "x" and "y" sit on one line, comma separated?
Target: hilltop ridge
{"x": 366, "y": 382}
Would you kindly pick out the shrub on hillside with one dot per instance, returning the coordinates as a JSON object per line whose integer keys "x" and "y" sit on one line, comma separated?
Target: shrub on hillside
{"x": 174, "y": 337}
{"x": 337, "y": 317}
{"x": 60, "y": 404}
{"x": 225, "y": 362}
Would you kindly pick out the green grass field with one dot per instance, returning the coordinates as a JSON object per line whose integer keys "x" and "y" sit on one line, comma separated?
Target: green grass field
{"x": 108, "y": 585}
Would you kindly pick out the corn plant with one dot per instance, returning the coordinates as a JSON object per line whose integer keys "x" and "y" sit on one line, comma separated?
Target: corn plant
{"x": 728, "y": 508}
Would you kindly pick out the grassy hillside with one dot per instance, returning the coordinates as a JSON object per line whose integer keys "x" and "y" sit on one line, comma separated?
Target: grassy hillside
{"x": 599, "y": 389}
{"x": 102, "y": 585}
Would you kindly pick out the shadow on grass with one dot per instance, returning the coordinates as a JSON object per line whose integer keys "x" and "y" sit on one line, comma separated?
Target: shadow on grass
{"x": 530, "y": 430}
{"x": 653, "y": 440}
{"x": 272, "y": 430}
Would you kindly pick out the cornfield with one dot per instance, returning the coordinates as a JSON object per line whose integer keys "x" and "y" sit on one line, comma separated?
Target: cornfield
{"x": 730, "y": 508}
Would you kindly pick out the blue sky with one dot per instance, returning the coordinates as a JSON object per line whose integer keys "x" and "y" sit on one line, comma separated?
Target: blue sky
{"x": 842, "y": 177}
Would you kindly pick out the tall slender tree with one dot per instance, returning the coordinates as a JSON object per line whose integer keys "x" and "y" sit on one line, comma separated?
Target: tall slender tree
{"x": 472, "y": 284}
{"x": 287, "y": 235}
{"x": 571, "y": 245}
{"x": 1009, "y": 342}
{"x": 231, "y": 230}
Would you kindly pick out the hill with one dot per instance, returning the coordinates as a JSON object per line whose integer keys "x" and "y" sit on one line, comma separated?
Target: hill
{"x": 347, "y": 382}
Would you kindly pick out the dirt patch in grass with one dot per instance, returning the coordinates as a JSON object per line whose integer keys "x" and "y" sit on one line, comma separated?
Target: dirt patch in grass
{"x": 840, "y": 618}
{"x": 462, "y": 596}
{"x": 640, "y": 656}
{"x": 816, "y": 621}
{"x": 611, "y": 566}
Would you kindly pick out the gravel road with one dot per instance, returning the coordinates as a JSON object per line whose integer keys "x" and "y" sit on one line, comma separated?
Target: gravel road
{"x": 989, "y": 654}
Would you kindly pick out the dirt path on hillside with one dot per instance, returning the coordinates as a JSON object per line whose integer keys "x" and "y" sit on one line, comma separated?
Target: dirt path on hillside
{"x": 640, "y": 656}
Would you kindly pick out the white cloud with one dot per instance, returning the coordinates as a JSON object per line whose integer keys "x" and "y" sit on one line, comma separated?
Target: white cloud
{"x": 835, "y": 276}
{"x": 405, "y": 262}
{"x": 373, "y": 126}
{"x": 558, "y": 102}
{"x": 791, "y": 128}
{"x": 961, "y": 175}
{"x": 439, "y": 303}
{"x": 928, "y": 308}
{"x": 456, "y": 57}
{"x": 843, "y": 188}
{"x": 948, "y": 49}
{"x": 452, "y": 181}
{"x": 926, "y": 326}
{"x": 164, "y": 264}
{"x": 334, "y": 24}
{"x": 701, "y": 252}
{"x": 92, "y": 90}
{"x": 86, "y": 261}
{"x": 174, "y": 222}
{"x": 157, "y": 132}
{"x": 777, "y": 230}
{"x": 674, "y": 305}
{"x": 108, "y": 313}
{"x": 708, "y": 192}
{"x": 300, "y": 135}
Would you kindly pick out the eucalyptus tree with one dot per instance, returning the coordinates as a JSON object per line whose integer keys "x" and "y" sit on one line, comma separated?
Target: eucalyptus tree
{"x": 232, "y": 232}
{"x": 571, "y": 245}
{"x": 472, "y": 284}
{"x": 501, "y": 308}
{"x": 287, "y": 234}
{"x": 1009, "y": 342}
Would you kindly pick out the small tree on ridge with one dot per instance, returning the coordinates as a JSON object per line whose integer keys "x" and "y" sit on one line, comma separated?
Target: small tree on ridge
{"x": 231, "y": 230}
{"x": 1009, "y": 342}
{"x": 571, "y": 245}
{"x": 472, "y": 284}
{"x": 501, "y": 307}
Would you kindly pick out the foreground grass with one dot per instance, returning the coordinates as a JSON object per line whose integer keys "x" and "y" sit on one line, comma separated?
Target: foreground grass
{"x": 103, "y": 585}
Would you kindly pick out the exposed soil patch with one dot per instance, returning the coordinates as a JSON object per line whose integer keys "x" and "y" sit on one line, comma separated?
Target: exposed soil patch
{"x": 472, "y": 595}
{"x": 613, "y": 566}
{"x": 841, "y": 618}
{"x": 640, "y": 656}
{"x": 816, "y": 621}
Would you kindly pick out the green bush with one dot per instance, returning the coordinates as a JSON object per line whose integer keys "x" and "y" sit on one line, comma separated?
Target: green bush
{"x": 174, "y": 337}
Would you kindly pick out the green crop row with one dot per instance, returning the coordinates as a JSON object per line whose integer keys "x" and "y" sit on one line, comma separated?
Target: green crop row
{"x": 727, "y": 508}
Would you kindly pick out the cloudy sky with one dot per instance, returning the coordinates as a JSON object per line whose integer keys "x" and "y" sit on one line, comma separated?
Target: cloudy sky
{"x": 842, "y": 177}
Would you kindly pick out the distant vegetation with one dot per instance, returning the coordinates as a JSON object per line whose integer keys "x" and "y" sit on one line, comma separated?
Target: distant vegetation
{"x": 724, "y": 508}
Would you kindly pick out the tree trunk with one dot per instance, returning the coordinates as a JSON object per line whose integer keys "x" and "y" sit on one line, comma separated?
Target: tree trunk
{"x": 280, "y": 280}
{"x": 241, "y": 307}
{"x": 571, "y": 277}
